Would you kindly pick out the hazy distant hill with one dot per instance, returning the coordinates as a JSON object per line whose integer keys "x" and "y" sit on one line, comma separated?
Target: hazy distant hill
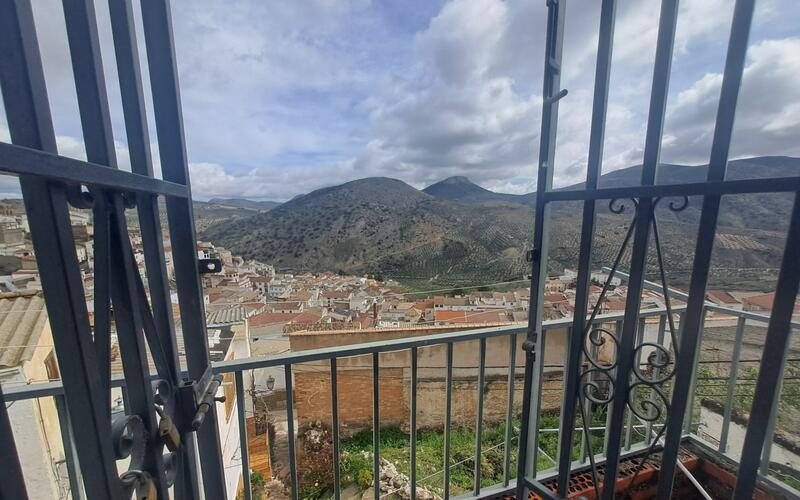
{"x": 244, "y": 203}
{"x": 457, "y": 232}
{"x": 460, "y": 188}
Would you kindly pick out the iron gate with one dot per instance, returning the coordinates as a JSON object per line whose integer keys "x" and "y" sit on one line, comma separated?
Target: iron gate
{"x": 591, "y": 382}
{"x": 164, "y": 413}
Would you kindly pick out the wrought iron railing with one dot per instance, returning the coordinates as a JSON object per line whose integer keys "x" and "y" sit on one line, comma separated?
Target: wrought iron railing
{"x": 647, "y": 429}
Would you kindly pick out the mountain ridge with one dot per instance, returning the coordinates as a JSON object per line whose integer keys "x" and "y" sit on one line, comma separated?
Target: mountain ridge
{"x": 466, "y": 237}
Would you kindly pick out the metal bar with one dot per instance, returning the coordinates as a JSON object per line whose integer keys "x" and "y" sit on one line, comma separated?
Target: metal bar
{"x": 512, "y": 372}
{"x": 290, "y": 428}
{"x": 335, "y": 417}
{"x": 763, "y": 468}
{"x": 156, "y": 22}
{"x": 476, "y": 488}
{"x": 413, "y": 418}
{"x": 102, "y": 298}
{"x": 773, "y": 360}
{"x": 99, "y": 141}
{"x": 588, "y": 411}
{"x": 618, "y": 332}
{"x": 372, "y": 347}
{"x": 596, "y": 138}
{"x": 44, "y": 389}
{"x": 73, "y": 470}
{"x": 637, "y": 361}
{"x": 654, "y": 400}
{"x": 126, "y": 50}
{"x": 132, "y": 347}
{"x": 12, "y": 482}
{"x": 448, "y": 406}
{"x": 687, "y": 423}
{"x": 243, "y": 447}
{"x": 644, "y": 215}
{"x": 538, "y": 378}
{"x": 24, "y": 161}
{"x": 711, "y": 188}
{"x": 556, "y": 12}
{"x": 376, "y": 425}
{"x": 708, "y": 305}
{"x": 30, "y": 125}
{"x": 691, "y": 322}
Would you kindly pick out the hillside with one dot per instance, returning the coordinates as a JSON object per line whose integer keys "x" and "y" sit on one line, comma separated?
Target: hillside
{"x": 453, "y": 233}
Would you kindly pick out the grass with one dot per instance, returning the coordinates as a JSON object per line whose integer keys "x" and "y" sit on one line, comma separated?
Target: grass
{"x": 357, "y": 460}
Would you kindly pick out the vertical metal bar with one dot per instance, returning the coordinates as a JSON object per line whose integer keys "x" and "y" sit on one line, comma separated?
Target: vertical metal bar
{"x": 12, "y": 482}
{"x": 732, "y": 376}
{"x": 687, "y": 423}
{"x": 335, "y": 417}
{"x": 690, "y": 324}
{"x": 617, "y": 332}
{"x": 30, "y": 125}
{"x": 551, "y": 90}
{"x": 512, "y": 368}
{"x": 134, "y": 356}
{"x": 156, "y": 22}
{"x": 655, "y": 400}
{"x": 644, "y": 216}
{"x": 413, "y": 436}
{"x": 99, "y": 141}
{"x": 763, "y": 468}
{"x": 575, "y": 350}
{"x": 448, "y": 406}
{"x": 773, "y": 359}
{"x": 290, "y": 428}
{"x": 587, "y": 410}
{"x": 629, "y": 417}
{"x": 73, "y": 471}
{"x": 538, "y": 379}
{"x": 243, "y": 447}
{"x": 476, "y": 489}
{"x": 376, "y": 425}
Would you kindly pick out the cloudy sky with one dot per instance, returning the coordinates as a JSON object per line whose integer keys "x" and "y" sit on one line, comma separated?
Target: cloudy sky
{"x": 280, "y": 98}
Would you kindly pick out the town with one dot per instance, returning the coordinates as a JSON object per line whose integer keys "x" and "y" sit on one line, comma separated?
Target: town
{"x": 254, "y": 309}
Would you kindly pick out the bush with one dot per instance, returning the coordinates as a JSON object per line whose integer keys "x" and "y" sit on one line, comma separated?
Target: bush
{"x": 315, "y": 462}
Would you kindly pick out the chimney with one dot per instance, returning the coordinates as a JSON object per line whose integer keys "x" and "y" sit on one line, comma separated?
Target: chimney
{"x": 374, "y": 310}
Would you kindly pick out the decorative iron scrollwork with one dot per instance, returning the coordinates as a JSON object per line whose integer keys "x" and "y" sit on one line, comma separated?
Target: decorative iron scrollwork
{"x": 597, "y": 382}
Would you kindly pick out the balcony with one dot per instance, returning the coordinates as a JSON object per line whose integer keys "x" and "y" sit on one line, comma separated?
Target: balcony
{"x": 683, "y": 399}
{"x": 462, "y": 363}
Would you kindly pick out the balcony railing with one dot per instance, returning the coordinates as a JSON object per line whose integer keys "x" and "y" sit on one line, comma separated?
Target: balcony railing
{"x": 721, "y": 449}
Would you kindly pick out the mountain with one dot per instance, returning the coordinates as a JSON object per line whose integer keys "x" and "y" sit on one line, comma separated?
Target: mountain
{"x": 244, "y": 203}
{"x": 455, "y": 232}
{"x": 382, "y": 225}
{"x": 460, "y": 188}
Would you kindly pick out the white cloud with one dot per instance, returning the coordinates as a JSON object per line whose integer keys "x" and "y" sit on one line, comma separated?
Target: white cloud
{"x": 280, "y": 98}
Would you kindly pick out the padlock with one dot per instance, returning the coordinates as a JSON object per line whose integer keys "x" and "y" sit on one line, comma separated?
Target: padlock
{"x": 146, "y": 489}
{"x": 168, "y": 433}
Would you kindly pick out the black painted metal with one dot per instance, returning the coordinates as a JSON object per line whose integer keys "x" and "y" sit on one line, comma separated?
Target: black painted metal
{"x": 556, "y": 12}
{"x": 692, "y": 320}
{"x": 159, "y": 321}
{"x": 773, "y": 359}
{"x": 30, "y": 125}
{"x": 644, "y": 214}
{"x": 576, "y": 342}
{"x": 163, "y": 72}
